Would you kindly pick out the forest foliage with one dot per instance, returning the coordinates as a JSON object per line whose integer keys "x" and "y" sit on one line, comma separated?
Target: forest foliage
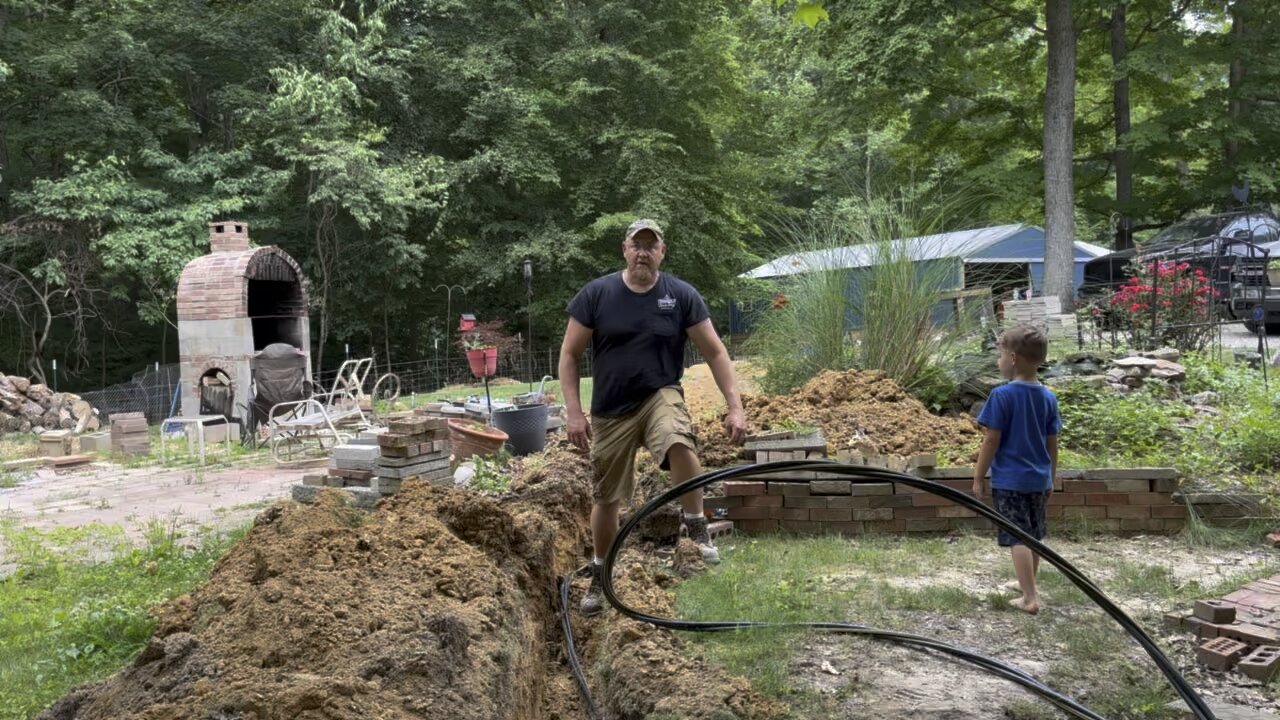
{"x": 393, "y": 146}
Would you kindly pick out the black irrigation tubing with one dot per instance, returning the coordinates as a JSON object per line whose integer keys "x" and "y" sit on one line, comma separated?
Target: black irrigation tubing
{"x": 866, "y": 475}
{"x": 574, "y": 661}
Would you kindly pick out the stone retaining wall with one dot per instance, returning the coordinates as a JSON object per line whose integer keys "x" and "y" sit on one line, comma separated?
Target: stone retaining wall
{"x": 1119, "y": 500}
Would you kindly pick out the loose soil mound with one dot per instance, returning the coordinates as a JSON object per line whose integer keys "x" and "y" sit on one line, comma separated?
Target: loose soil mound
{"x": 851, "y": 407}
{"x": 442, "y": 603}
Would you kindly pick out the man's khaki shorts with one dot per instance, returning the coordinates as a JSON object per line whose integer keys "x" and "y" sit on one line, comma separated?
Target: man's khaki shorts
{"x": 661, "y": 422}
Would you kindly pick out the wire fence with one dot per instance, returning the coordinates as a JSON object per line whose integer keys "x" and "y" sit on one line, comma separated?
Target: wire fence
{"x": 155, "y": 390}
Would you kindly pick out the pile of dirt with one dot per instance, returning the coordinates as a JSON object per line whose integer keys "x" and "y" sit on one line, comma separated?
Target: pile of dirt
{"x": 852, "y": 408}
{"x": 441, "y": 603}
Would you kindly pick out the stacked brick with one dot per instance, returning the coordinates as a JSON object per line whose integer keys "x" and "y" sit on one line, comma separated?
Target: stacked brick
{"x": 374, "y": 466}
{"x": 129, "y": 434}
{"x": 1240, "y": 631}
{"x": 1114, "y": 500}
{"x": 412, "y": 447}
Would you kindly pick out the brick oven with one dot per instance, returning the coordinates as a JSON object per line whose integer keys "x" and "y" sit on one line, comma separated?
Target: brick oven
{"x": 233, "y": 303}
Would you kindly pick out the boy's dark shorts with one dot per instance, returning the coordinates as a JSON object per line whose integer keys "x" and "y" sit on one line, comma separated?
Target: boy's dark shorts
{"x": 1024, "y": 509}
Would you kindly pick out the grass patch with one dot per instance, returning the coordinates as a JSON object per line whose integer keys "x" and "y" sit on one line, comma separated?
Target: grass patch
{"x": 16, "y": 446}
{"x": 502, "y": 391}
{"x": 895, "y": 582}
{"x": 791, "y": 580}
{"x": 75, "y": 610}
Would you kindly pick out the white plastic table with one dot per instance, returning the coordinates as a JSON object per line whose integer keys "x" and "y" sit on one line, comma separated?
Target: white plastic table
{"x": 199, "y": 421}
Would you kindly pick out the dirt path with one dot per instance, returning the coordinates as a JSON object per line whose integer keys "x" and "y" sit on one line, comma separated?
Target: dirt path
{"x": 183, "y": 500}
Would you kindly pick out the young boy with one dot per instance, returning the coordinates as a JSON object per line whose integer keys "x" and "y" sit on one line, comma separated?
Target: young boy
{"x": 1020, "y": 447}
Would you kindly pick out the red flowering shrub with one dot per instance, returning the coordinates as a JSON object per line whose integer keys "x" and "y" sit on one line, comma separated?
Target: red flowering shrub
{"x": 1167, "y": 303}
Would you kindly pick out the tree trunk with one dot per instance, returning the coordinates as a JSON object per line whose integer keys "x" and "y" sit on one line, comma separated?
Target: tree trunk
{"x": 1123, "y": 157}
{"x": 1236, "y": 107}
{"x": 1059, "y": 117}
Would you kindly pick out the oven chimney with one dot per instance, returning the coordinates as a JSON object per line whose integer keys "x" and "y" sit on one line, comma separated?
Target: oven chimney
{"x": 228, "y": 236}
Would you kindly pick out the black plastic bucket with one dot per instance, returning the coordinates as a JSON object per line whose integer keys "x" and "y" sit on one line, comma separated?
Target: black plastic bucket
{"x": 526, "y": 428}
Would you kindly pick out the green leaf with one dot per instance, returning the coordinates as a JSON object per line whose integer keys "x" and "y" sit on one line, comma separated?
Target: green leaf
{"x": 810, "y": 13}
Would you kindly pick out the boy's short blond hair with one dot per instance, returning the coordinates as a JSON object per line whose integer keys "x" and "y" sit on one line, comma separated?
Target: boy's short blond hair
{"x": 1026, "y": 341}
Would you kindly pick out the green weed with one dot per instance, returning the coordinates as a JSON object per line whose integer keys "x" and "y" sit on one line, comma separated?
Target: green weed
{"x": 69, "y": 616}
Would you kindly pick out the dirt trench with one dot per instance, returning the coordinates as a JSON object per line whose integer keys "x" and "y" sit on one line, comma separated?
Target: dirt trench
{"x": 442, "y": 603}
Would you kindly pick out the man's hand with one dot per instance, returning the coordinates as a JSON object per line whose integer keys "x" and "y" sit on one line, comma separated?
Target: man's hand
{"x": 735, "y": 426}
{"x": 579, "y": 430}
{"x": 979, "y": 488}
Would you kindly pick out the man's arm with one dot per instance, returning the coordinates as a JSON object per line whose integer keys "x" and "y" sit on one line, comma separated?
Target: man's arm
{"x": 708, "y": 343}
{"x": 576, "y": 337}
{"x": 990, "y": 443}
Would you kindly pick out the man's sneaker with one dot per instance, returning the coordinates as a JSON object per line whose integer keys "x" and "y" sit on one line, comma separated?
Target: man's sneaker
{"x": 698, "y": 533}
{"x": 593, "y": 601}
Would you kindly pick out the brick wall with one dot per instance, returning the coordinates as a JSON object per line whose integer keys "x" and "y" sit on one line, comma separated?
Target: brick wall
{"x": 1130, "y": 500}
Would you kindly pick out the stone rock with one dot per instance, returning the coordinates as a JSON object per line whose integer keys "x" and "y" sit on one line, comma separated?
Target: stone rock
{"x": 1208, "y": 397}
{"x": 35, "y": 429}
{"x": 1135, "y": 372}
{"x": 25, "y": 426}
{"x": 10, "y": 423}
{"x": 67, "y": 423}
{"x": 81, "y": 409}
{"x": 1165, "y": 353}
{"x": 1093, "y": 381}
{"x": 57, "y": 400}
{"x": 1088, "y": 367}
{"x": 1168, "y": 374}
{"x": 1135, "y": 362}
{"x": 1060, "y": 381}
{"x": 1115, "y": 375}
{"x": 32, "y": 409}
{"x": 1133, "y": 382}
{"x": 20, "y": 384}
{"x": 50, "y": 419}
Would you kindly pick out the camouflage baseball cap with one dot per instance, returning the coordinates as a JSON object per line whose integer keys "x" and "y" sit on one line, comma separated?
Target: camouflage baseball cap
{"x": 645, "y": 224}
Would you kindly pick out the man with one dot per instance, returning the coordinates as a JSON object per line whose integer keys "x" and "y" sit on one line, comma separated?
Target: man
{"x": 637, "y": 322}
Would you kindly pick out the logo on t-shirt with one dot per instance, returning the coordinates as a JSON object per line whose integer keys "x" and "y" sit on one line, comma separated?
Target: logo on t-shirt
{"x": 666, "y": 303}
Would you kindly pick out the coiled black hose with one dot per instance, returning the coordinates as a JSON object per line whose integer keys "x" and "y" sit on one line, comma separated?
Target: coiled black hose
{"x": 866, "y": 475}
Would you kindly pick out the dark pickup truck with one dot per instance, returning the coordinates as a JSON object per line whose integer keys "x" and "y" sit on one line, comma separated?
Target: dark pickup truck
{"x": 1234, "y": 249}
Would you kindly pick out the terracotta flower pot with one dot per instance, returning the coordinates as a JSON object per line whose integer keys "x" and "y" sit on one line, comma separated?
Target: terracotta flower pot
{"x": 483, "y": 361}
{"x": 473, "y": 438}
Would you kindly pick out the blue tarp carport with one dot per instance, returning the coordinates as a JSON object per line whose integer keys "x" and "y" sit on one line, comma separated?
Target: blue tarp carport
{"x": 969, "y": 250}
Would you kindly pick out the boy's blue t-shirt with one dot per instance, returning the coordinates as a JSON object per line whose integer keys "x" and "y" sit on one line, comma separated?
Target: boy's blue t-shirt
{"x": 1025, "y": 414}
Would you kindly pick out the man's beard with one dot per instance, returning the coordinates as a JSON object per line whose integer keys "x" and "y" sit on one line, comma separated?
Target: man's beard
{"x": 641, "y": 274}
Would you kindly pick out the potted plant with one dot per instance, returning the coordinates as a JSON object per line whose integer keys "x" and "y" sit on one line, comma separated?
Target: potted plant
{"x": 474, "y": 438}
{"x": 1273, "y": 272}
{"x": 482, "y": 354}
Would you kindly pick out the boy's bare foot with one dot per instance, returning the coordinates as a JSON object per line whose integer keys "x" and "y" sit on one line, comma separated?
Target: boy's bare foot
{"x": 1011, "y": 585}
{"x": 1031, "y": 607}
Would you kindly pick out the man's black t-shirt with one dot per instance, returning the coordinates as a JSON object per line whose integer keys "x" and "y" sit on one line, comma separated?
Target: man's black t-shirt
{"x": 637, "y": 341}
